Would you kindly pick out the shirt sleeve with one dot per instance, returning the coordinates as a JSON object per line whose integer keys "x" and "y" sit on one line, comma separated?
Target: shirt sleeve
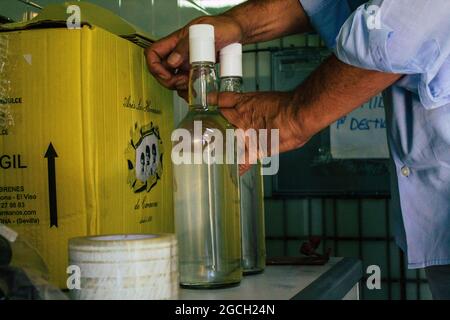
{"x": 402, "y": 36}
{"x": 327, "y": 17}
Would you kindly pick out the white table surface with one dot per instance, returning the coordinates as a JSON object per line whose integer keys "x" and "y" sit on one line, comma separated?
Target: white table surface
{"x": 275, "y": 283}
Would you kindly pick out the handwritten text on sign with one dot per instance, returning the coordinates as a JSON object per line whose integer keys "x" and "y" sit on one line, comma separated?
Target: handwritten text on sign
{"x": 361, "y": 134}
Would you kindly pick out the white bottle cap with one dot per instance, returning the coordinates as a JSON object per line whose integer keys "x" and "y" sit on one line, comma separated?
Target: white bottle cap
{"x": 201, "y": 43}
{"x": 231, "y": 61}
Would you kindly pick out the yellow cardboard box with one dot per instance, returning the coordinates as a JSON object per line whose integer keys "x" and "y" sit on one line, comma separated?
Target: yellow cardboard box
{"x": 84, "y": 138}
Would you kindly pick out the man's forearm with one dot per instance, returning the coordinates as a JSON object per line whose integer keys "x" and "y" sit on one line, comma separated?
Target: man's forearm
{"x": 264, "y": 20}
{"x": 332, "y": 91}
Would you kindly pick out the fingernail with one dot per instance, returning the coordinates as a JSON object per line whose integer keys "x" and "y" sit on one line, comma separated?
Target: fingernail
{"x": 174, "y": 59}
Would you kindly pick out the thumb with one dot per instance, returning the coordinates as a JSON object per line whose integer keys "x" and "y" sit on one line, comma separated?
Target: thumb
{"x": 180, "y": 54}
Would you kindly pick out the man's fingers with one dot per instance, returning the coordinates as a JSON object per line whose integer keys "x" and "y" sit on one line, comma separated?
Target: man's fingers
{"x": 181, "y": 82}
{"x": 228, "y": 99}
{"x": 172, "y": 83}
{"x": 155, "y": 65}
{"x": 235, "y": 100}
{"x": 233, "y": 117}
{"x": 157, "y": 54}
{"x": 233, "y": 107}
{"x": 180, "y": 53}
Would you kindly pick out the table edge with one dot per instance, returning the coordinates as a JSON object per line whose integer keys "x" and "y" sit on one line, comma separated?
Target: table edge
{"x": 335, "y": 283}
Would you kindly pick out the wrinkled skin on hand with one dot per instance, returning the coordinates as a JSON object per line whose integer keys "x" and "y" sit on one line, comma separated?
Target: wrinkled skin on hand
{"x": 264, "y": 110}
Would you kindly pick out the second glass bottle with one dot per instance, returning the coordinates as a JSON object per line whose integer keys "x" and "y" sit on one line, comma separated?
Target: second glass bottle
{"x": 251, "y": 183}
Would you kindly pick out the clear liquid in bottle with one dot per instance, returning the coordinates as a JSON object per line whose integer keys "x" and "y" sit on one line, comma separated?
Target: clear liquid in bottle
{"x": 251, "y": 183}
{"x": 206, "y": 193}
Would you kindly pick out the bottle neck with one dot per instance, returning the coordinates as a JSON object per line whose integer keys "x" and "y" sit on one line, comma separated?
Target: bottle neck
{"x": 231, "y": 84}
{"x": 203, "y": 89}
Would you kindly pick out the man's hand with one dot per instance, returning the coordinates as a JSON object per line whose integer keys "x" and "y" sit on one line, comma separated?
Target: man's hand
{"x": 265, "y": 110}
{"x": 332, "y": 91}
{"x": 172, "y": 53}
{"x": 250, "y": 22}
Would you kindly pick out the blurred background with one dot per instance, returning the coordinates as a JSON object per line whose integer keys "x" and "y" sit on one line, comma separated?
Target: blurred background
{"x": 352, "y": 224}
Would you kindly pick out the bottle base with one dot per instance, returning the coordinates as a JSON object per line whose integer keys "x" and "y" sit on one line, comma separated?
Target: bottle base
{"x": 252, "y": 272}
{"x": 205, "y": 286}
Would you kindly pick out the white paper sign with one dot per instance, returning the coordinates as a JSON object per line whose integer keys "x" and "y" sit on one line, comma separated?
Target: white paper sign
{"x": 361, "y": 134}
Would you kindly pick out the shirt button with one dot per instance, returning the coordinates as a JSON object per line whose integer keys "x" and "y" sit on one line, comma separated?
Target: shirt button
{"x": 405, "y": 171}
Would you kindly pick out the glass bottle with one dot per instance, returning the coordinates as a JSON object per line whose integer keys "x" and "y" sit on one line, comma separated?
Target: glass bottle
{"x": 206, "y": 190}
{"x": 251, "y": 183}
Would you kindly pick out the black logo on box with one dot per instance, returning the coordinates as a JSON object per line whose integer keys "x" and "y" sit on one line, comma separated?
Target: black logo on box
{"x": 144, "y": 158}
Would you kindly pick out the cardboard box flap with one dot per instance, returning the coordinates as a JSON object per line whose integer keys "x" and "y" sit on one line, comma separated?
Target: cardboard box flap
{"x": 57, "y": 15}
